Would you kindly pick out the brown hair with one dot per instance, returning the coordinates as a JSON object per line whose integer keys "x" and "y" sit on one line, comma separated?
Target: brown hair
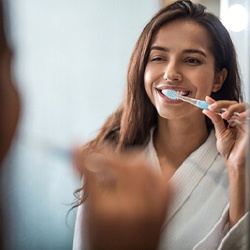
{"x": 130, "y": 125}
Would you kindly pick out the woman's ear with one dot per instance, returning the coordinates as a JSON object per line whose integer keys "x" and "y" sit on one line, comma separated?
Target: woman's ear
{"x": 219, "y": 80}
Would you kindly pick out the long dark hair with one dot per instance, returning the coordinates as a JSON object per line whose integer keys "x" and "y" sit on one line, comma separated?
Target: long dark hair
{"x": 130, "y": 125}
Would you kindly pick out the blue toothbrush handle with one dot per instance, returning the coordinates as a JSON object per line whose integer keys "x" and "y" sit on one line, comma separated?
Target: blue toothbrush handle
{"x": 205, "y": 105}
{"x": 202, "y": 104}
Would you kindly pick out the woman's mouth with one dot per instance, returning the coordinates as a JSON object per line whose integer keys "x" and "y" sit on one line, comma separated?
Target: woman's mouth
{"x": 180, "y": 92}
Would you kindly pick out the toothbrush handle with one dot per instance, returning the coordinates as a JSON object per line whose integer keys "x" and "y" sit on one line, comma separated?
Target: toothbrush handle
{"x": 202, "y": 104}
{"x": 205, "y": 105}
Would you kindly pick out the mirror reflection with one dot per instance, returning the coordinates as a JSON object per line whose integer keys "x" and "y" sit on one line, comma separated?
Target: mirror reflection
{"x": 69, "y": 65}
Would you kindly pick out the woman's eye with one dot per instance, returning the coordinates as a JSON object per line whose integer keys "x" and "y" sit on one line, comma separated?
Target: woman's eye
{"x": 157, "y": 59}
{"x": 193, "y": 61}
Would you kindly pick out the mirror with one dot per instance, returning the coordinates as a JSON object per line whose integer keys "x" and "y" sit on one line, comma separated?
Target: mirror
{"x": 70, "y": 63}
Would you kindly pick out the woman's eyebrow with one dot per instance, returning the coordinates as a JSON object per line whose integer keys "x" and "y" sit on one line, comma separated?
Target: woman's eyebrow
{"x": 195, "y": 51}
{"x": 186, "y": 51}
{"x": 159, "y": 48}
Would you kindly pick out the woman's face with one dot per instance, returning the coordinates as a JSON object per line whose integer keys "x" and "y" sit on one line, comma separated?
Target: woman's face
{"x": 180, "y": 59}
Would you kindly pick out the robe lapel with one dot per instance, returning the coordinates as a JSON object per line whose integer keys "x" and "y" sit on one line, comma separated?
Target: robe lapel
{"x": 190, "y": 173}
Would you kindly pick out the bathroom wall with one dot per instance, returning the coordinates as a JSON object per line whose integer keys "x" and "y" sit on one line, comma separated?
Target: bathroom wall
{"x": 70, "y": 63}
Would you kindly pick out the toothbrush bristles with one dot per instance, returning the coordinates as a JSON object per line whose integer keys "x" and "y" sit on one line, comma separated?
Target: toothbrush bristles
{"x": 170, "y": 94}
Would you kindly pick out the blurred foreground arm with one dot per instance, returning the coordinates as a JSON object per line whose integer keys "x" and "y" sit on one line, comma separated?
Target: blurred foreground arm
{"x": 126, "y": 202}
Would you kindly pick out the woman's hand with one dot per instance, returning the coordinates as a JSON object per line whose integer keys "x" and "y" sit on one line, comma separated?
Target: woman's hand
{"x": 231, "y": 139}
{"x": 127, "y": 200}
{"x": 232, "y": 144}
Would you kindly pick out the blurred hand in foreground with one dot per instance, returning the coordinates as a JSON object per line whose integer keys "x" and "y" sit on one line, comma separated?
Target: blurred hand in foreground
{"x": 127, "y": 200}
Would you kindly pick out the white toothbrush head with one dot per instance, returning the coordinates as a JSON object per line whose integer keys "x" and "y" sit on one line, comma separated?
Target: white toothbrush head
{"x": 170, "y": 94}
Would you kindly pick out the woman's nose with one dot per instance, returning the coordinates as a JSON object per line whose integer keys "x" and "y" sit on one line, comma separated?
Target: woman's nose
{"x": 172, "y": 73}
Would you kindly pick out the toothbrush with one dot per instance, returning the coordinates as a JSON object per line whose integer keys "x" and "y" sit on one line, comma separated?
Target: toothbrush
{"x": 45, "y": 146}
{"x": 175, "y": 96}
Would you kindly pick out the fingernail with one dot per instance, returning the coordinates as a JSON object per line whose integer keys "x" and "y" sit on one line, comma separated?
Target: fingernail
{"x": 208, "y": 98}
{"x": 94, "y": 167}
{"x": 225, "y": 114}
{"x": 214, "y": 105}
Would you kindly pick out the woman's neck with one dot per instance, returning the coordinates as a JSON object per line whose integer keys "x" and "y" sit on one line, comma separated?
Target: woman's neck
{"x": 174, "y": 141}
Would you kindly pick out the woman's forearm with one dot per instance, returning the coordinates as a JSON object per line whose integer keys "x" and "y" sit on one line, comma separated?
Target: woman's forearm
{"x": 237, "y": 207}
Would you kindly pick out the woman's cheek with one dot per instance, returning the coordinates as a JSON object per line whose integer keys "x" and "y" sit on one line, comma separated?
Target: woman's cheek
{"x": 148, "y": 82}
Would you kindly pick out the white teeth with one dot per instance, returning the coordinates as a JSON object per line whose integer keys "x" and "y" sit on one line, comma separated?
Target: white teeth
{"x": 182, "y": 92}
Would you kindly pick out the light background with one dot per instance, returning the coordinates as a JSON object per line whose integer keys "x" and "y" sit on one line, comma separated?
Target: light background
{"x": 70, "y": 66}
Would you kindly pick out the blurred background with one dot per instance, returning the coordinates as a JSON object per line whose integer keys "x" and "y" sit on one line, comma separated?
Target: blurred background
{"x": 70, "y": 64}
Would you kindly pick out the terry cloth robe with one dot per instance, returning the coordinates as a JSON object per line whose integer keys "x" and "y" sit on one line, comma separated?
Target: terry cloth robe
{"x": 198, "y": 213}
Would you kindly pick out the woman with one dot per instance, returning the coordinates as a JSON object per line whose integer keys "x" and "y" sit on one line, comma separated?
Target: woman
{"x": 186, "y": 49}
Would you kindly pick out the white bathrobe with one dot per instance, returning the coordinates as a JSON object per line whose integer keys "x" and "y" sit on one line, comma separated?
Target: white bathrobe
{"x": 198, "y": 214}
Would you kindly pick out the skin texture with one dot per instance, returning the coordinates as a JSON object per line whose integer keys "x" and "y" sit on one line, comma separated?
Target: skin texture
{"x": 180, "y": 60}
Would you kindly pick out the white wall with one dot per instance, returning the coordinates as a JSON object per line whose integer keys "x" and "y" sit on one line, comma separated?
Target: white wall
{"x": 70, "y": 65}
{"x": 240, "y": 40}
